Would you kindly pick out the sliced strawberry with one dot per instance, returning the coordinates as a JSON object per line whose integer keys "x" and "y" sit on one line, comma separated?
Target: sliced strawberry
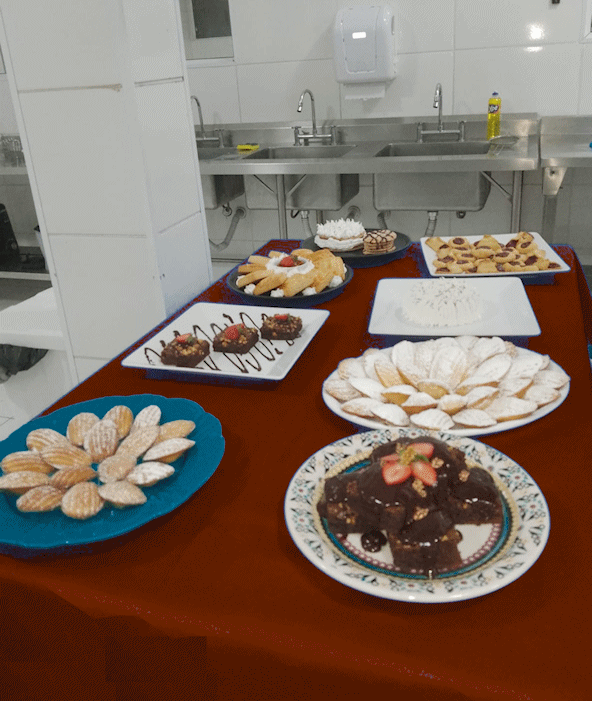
{"x": 282, "y": 317}
{"x": 393, "y": 471}
{"x": 287, "y": 262}
{"x": 184, "y": 338}
{"x": 424, "y": 471}
{"x": 426, "y": 449}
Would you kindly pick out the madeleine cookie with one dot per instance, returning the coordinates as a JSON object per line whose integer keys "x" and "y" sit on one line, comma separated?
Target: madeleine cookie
{"x": 21, "y": 482}
{"x": 138, "y": 442}
{"x": 79, "y": 426}
{"x": 339, "y": 389}
{"x": 25, "y": 460}
{"x": 61, "y": 456}
{"x": 69, "y": 476}
{"x": 102, "y": 440}
{"x": 40, "y": 499}
{"x": 82, "y": 501}
{"x": 116, "y": 467}
{"x": 180, "y": 428}
{"x": 122, "y": 494}
{"x": 148, "y": 416}
{"x": 433, "y": 420}
{"x": 122, "y": 417}
{"x": 474, "y": 418}
{"x": 41, "y": 438}
{"x": 169, "y": 450}
{"x": 147, "y": 474}
{"x": 391, "y": 414}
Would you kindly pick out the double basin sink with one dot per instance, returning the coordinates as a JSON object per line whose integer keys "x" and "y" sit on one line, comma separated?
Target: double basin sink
{"x": 420, "y": 189}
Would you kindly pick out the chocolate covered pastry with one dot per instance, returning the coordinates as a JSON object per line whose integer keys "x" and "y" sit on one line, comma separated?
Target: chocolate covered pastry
{"x": 281, "y": 327}
{"x": 237, "y": 338}
{"x": 185, "y": 351}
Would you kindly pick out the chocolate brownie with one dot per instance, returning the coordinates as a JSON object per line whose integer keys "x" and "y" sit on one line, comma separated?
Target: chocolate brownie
{"x": 237, "y": 338}
{"x": 281, "y": 327}
{"x": 184, "y": 351}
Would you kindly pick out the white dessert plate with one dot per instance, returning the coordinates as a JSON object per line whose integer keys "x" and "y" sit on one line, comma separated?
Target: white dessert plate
{"x": 506, "y": 310}
{"x": 335, "y": 406}
{"x": 267, "y": 360}
{"x": 430, "y": 256}
{"x": 493, "y": 556}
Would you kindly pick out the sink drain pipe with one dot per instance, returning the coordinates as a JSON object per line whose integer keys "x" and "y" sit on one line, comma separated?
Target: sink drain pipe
{"x": 432, "y": 221}
{"x": 240, "y": 213}
{"x": 308, "y": 232}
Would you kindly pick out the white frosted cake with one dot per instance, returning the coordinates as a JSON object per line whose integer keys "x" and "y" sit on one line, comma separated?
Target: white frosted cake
{"x": 442, "y": 302}
{"x": 341, "y": 235}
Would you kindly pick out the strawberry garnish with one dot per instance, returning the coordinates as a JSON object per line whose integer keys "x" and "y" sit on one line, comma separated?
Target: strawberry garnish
{"x": 184, "y": 338}
{"x": 282, "y": 317}
{"x": 411, "y": 460}
{"x": 426, "y": 449}
{"x": 424, "y": 471}
{"x": 232, "y": 332}
{"x": 287, "y": 262}
{"x": 393, "y": 470}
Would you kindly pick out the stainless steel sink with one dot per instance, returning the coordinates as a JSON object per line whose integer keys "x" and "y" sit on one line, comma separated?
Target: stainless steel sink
{"x": 219, "y": 189}
{"x": 287, "y": 152}
{"x": 302, "y": 191}
{"x": 434, "y": 190}
{"x": 435, "y": 148}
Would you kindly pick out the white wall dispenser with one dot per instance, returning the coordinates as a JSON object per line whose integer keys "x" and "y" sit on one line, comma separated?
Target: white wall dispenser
{"x": 364, "y": 50}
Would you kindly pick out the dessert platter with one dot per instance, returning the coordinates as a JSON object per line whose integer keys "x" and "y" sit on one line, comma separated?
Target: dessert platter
{"x": 465, "y": 385}
{"x": 227, "y": 340}
{"x": 524, "y": 253}
{"x": 452, "y": 306}
{"x": 99, "y": 469}
{"x": 302, "y": 278}
{"x": 359, "y": 247}
{"x": 410, "y": 516}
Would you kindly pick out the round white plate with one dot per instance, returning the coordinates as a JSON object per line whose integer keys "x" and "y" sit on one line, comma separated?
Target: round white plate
{"x": 335, "y": 407}
{"x": 521, "y": 540}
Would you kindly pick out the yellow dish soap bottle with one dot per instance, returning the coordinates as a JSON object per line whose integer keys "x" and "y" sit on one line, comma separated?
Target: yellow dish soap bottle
{"x": 493, "y": 115}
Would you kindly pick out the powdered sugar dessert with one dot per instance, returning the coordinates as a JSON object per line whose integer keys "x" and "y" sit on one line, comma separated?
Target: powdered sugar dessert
{"x": 443, "y": 302}
{"x": 341, "y": 235}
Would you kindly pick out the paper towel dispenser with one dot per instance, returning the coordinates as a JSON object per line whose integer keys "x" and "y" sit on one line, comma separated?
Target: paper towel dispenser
{"x": 364, "y": 45}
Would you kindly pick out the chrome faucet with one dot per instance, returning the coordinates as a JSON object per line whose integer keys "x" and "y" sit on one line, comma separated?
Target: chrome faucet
{"x": 300, "y": 136}
{"x": 312, "y": 108}
{"x": 438, "y": 104}
{"x": 422, "y": 131}
{"x": 203, "y": 137}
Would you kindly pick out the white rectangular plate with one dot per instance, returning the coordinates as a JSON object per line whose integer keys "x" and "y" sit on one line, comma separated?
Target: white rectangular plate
{"x": 506, "y": 310}
{"x": 430, "y": 257}
{"x": 267, "y": 360}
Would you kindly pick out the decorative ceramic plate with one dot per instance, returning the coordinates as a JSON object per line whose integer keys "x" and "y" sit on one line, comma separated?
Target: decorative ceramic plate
{"x": 267, "y": 360}
{"x": 54, "y": 530}
{"x": 506, "y": 310}
{"x": 299, "y": 301}
{"x": 357, "y": 259}
{"x": 493, "y": 555}
{"x": 430, "y": 256}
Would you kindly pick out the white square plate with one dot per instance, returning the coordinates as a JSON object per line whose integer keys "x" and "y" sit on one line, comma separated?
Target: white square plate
{"x": 267, "y": 360}
{"x": 506, "y": 309}
{"x": 430, "y": 256}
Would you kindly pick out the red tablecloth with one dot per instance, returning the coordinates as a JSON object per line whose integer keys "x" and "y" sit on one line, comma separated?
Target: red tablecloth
{"x": 215, "y": 600}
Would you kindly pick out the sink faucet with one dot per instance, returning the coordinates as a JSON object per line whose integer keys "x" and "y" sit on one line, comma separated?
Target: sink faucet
{"x": 438, "y": 104}
{"x": 422, "y": 131}
{"x": 300, "y": 136}
{"x": 203, "y": 136}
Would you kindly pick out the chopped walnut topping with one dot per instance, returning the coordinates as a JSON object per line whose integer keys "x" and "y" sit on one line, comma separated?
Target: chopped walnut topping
{"x": 419, "y": 487}
{"x": 437, "y": 462}
{"x": 420, "y": 512}
{"x": 463, "y": 475}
